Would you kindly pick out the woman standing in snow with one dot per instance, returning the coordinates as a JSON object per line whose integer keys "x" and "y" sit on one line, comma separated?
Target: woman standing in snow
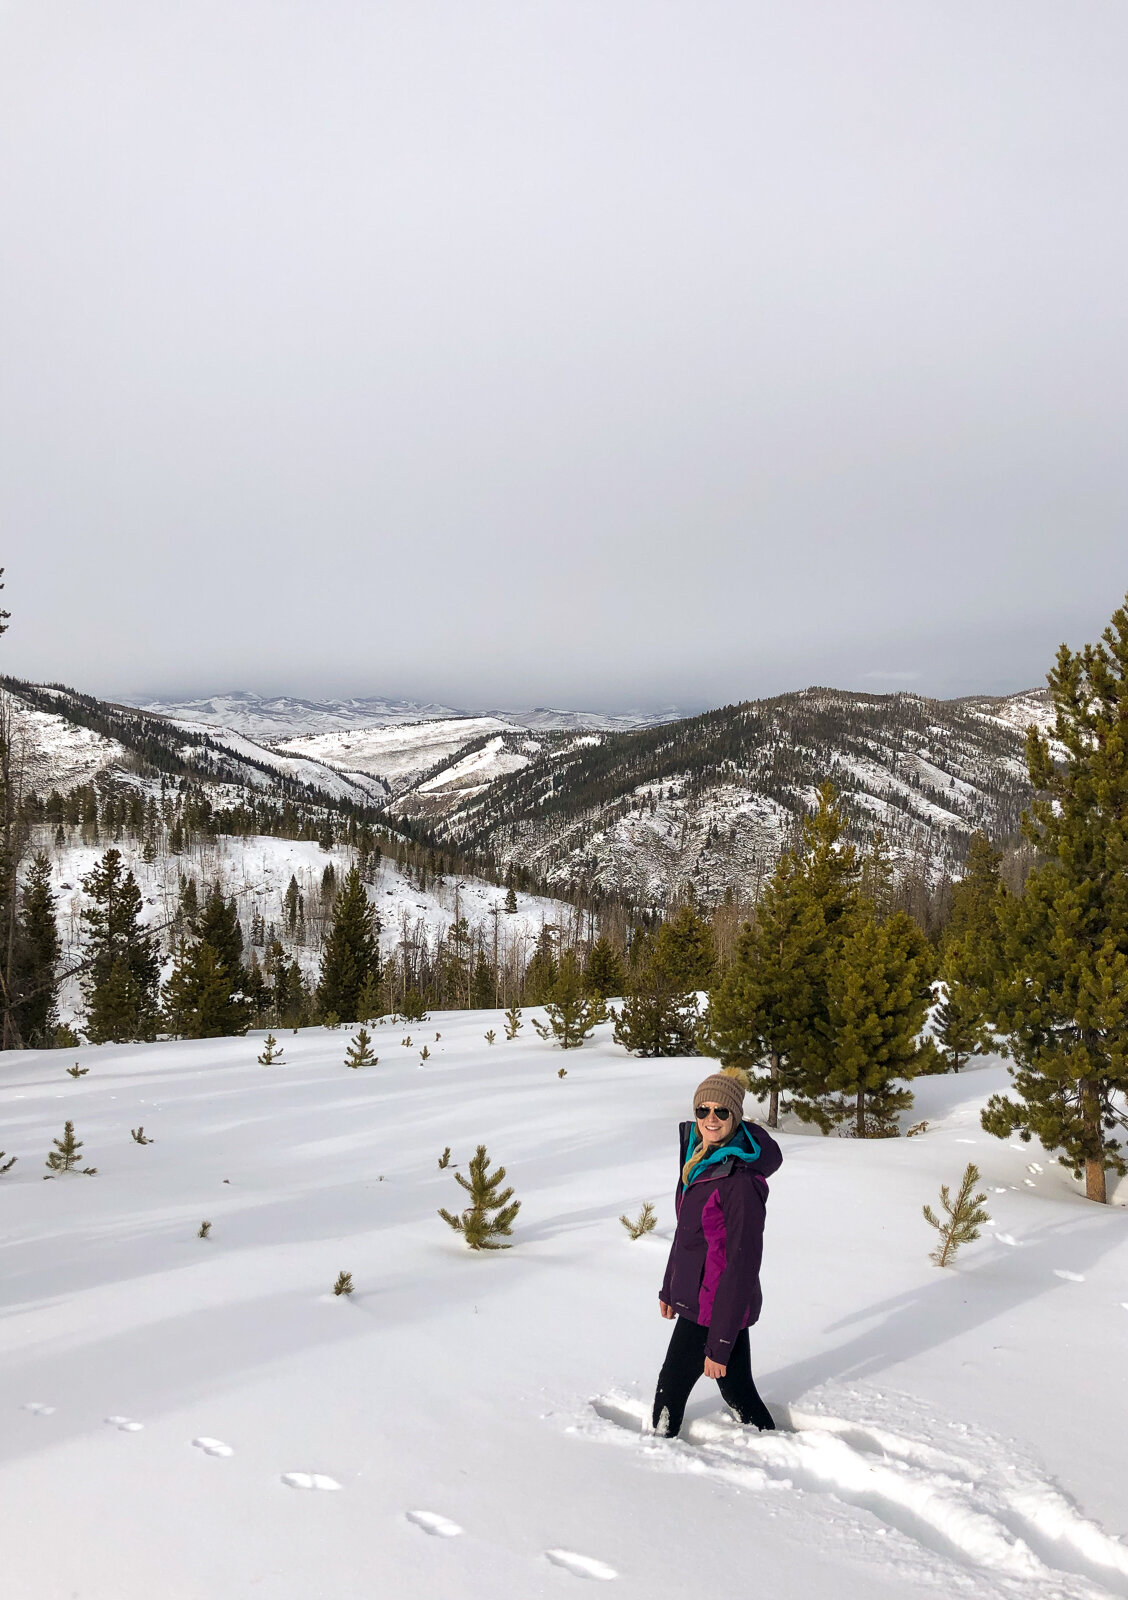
{"x": 712, "y": 1282}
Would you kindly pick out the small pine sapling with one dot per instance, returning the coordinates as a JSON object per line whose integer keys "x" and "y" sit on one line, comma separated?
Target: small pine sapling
{"x": 425, "y": 1054}
{"x": 204, "y": 1231}
{"x": 917, "y": 1127}
{"x": 6, "y": 1166}
{"x": 438, "y": 1036}
{"x": 490, "y": 1036}
{"x": 359, "y": 1052}
{"x": 491, "y": 1212}
{"x": 406, "y": 1042}
{"x": 77, "y": 1072}
{"x": 964, "y": 1218}
{"x": 64, "y": 1157}
{"x": 344, "y": 1283}
{"x": 444, "y": 1159}
{"x": 542, "y": 1031}
{"x": 271, "y": 1051}
{"x": 645, "y": 1222}
{"x": 140, "y": 1136}
{"x": 331, "y": 1020}
{"x": 562, "y": 1072}
{"x": 513, "y": 1023}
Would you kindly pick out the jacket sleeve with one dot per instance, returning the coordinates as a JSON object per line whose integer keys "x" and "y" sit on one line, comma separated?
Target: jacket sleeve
{"x": 737, "y": 1299}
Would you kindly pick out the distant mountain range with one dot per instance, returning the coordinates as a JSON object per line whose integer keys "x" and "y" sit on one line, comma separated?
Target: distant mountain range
{"x": 269, "y": 719}
{"x": 577, "y": 798}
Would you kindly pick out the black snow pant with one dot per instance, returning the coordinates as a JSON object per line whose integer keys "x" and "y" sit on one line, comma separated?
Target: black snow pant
{"x": 685, "y": 1363}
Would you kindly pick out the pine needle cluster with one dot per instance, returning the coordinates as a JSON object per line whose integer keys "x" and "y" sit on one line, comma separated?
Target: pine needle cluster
{"x": 645, "y": 1222}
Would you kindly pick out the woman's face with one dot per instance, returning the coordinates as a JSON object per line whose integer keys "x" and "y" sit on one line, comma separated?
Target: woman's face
{"x": 716, "y": 1124}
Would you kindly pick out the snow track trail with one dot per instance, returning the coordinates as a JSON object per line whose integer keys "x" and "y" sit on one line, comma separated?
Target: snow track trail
{"x": 972, "y": 1505}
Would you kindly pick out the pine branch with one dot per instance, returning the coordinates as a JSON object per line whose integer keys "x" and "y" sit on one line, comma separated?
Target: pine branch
{"x": 645, "y": 1222}
{"x": 964, "y": 1217}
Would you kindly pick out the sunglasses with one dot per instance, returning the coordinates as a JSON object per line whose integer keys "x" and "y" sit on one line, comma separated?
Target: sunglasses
{"x": 721, "y": 1112}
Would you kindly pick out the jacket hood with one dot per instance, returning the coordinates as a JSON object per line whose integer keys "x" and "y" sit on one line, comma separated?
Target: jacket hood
{"x": 739, "y": 1146}
{"x": 751, "y": 1146}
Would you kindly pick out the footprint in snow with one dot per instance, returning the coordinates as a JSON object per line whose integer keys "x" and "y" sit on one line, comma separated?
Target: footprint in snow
{"x": 309, "y": 1480}
{"x": 213, "y": 1447}
{"x": 125, "y": 1424}
{"x": 581, "y": 1566}
{"x": 39, "y": 1409}
{"x": 431, "y": 1522}
{"x": 1070, "y": 1277}
{"x": 971, "y": 1503}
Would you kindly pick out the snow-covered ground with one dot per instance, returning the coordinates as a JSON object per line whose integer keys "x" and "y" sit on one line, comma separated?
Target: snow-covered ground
{"x": 399, "y": 754}
{"x": 191, "y": 1418}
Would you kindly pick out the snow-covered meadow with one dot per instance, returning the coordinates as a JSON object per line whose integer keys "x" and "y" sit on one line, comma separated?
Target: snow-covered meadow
{"x": 194, "y": 1418}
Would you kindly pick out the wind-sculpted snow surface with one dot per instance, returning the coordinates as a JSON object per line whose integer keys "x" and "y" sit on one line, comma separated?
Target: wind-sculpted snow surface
{"x": 206, "y": 1418}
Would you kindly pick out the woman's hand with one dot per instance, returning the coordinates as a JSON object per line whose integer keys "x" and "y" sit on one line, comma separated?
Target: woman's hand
{"x": 667, "y": 1311}
{"x": 714, "y": 1369}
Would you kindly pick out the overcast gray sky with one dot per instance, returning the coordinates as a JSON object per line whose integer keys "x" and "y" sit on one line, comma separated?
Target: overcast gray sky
{"x": 614, "y": 352}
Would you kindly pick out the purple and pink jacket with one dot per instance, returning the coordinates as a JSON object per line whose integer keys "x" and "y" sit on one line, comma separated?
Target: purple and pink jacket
{"x": 713, "y": 1274}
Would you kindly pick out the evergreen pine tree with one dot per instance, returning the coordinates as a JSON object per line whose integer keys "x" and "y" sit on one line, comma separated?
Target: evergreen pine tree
{"x": 1060, "y": 993}
{"x": 658, "y": 1018}
{"x": 483, "y": 986}
{"x": 513, "y": 1023}
{"x": 571, "y": 1014}
{"x": 35, "y": 985}
{"x": 603, "y": 971}
{"x": 511, "y": 900}
{"x": 359, "y": 1052}
{"x": 368, "y": 1005}
{"x": 492, "y": 1210}
{"x": 122, "y": 958}
{"x": 413, "y": 1007}
{"x": 218, "y": 924}
{"x": 878, "y": 1000}
{"x": 964, "y": 1219}
{"x": 115, "y": 1008}
{"x": 959, "y": 1027}
{"x": 291, "y": 902}
{"x": 270, "y": 1052}
{"x": 684, "y": 946}
{"x": 540, "y": 974}
{"x": 64, "y": 1157}
{"x": 352, "y": 951}
{"x": 294, "y": 1000}
{"x": 876, "y": 876}
{"x": 767, "y": 1014}
{"x": 202, "y": 997}
{"x": 970, "y": 955}
{"x": 6, "y": 1166}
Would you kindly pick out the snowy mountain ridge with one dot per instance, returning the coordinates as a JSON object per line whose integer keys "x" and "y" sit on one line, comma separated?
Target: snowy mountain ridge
{"x": 268, "y": 719}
